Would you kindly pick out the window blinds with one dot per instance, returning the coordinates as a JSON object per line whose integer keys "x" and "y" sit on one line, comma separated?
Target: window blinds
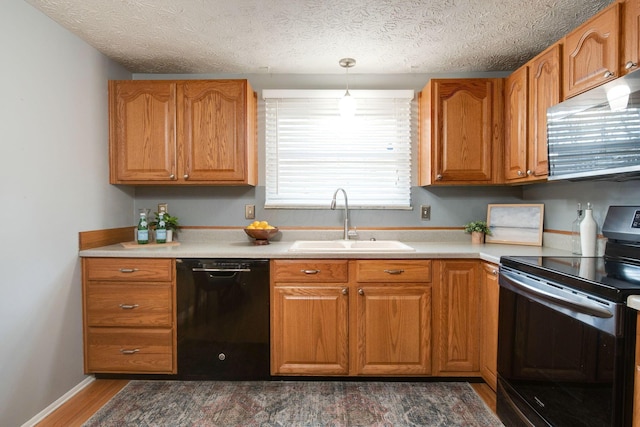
{"x": 311, "y": 150}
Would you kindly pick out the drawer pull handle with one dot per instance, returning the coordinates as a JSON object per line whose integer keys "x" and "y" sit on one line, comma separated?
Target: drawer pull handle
{"x": 134, "y": 351}
{"x": 310, "y": 271}
{"x": 128, "y": 270}
{"x": 128, "y": 306}
{"x": 394, "y": 271}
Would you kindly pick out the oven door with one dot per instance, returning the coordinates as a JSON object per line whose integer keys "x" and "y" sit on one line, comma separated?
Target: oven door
{"x": 561, "y": 356}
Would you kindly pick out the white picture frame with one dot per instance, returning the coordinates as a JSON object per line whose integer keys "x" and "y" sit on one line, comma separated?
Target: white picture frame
{"x": 515, "y": 224}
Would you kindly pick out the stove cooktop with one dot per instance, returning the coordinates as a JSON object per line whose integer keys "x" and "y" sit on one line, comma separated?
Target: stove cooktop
{"x": 611, "y": 280}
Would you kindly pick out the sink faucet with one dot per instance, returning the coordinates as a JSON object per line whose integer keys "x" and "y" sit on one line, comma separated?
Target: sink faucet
{"x": 347, "y": 233}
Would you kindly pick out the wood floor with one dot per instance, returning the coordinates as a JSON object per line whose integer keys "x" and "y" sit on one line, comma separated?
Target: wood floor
{"x": 83, "y": 405}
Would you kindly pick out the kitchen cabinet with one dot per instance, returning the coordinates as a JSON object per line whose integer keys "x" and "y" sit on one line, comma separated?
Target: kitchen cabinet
{"x": 393, "y": 317}
{"x": 630, "y": 36}
{"x": 591, "y": 53}
{"x": 489, "y": 298}
{"x": 529, "y": 92}
{"x": 461, "y": 132}
{"x": 456, "y": 318}
{"x": 185, "y": 132}
{"x": 309, "y": 317}
{"x": 384, "y": 303}
{"x": 129, "y": 315}
{"x": 636, "y": 378}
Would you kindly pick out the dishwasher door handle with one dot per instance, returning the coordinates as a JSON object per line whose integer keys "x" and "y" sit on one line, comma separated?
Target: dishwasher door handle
{"x": 223, "y": 270}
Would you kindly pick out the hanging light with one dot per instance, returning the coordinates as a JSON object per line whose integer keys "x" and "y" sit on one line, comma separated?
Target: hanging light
{"x": 347, "y": 102}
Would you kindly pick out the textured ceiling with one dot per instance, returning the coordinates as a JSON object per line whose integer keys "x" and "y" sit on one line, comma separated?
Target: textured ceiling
{"x": 310, "y": 36}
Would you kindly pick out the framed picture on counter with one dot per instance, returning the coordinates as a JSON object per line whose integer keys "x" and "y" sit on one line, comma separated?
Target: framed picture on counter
{"x": 515, "y": 224}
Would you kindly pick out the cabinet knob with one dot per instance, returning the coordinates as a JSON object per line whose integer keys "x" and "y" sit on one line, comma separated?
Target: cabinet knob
{"x": 520, "y": 173}
{"x": 172, "y": 176}
{"x": 494, "y": 272}
{"x": 360, "y": 291}
{"x": 439, "y": 177}
{"x": 345, "y": 291}
{"x": 630, "y": 64}
{"x": 186, "y": 176}
{"x": 529, "y": 172}
{"x": 608, "y": 74}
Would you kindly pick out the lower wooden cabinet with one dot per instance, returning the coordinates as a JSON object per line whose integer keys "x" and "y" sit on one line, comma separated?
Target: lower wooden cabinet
{"x": 386, "y": 304}
{"x": 456, "y": 318}
{"x": 129, "y": 315}
{"x": 489, "y": 298}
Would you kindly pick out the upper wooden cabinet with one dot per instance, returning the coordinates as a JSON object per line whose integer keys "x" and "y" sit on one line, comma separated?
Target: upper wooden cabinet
{"x": 461, "y": 132}
{"x": 529, "y": 91}
{"x": 592, "y": 52}
{"x": 630, "y": 36}
{"x": 200, "y": 132}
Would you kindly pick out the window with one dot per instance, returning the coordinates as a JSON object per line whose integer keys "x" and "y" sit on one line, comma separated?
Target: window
{"x": 311, "y": 151}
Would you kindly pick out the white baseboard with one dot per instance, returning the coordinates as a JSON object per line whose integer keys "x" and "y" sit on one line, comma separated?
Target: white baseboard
{"x": 55, "y": 405}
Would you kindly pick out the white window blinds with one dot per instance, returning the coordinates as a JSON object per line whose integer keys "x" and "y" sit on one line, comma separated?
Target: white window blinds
{"x": 311, "y": 150}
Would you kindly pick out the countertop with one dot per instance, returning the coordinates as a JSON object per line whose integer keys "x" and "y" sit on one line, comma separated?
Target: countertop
{"x": 447, "y": 245}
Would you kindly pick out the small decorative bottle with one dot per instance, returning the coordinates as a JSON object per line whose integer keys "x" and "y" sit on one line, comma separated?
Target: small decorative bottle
{"x": 143, "y": 229}
{"x": 588, "y": 228}
{"x": 161, "y": 229}
{"x": 575, "y": 232}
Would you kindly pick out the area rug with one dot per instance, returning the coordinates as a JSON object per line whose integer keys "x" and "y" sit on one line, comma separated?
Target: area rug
{"x": 294, "y": 403}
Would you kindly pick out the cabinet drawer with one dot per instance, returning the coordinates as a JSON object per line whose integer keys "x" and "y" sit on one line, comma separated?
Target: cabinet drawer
{"x": 129, "y": 269}
{"x": 400, "y": 271}
{"x": 307, "y": 271}
{"x": 109, "y": 304}
{"x": 129, "y": 350}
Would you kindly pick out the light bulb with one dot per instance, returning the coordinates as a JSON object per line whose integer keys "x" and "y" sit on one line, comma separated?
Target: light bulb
{"x": 347, "y": 105}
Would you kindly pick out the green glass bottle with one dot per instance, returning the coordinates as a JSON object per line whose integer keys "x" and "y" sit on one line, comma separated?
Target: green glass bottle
{"x": 143, "y": 229}
{"x": 161, "y": 229}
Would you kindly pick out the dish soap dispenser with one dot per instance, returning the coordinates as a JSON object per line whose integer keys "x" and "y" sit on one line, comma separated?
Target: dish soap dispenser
{"x": 588, "y": 228}
{"x": 575, "y": 232}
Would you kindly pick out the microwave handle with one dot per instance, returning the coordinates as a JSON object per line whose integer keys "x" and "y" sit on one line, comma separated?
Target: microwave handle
{"x": 585, "y": 307}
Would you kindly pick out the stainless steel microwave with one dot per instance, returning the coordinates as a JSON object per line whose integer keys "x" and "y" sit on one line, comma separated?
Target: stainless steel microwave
{"x": 596, "y": 135}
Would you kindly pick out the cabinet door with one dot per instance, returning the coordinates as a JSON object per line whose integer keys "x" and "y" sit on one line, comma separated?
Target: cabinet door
{"x": 545, "y": 90}
{"x": 631, "y": 33}
{"x": 515, "y": 124}
{"x": 489, "y": 295}
{"x": 465, "y": 130}
{"x": 393, "y": 330}
{"x": 309, "y": 330}
{"x": 142, "y": 131}
{"x": 591, "y": 53}
{"x": 457, "y": 318}
{"x": 214, "y": 132}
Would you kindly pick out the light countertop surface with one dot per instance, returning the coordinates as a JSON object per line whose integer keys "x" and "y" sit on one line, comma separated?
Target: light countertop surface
{"x": 230, "y": 245}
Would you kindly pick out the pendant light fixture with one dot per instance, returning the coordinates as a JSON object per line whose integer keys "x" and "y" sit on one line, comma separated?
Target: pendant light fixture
{"x": 347, "y": 102}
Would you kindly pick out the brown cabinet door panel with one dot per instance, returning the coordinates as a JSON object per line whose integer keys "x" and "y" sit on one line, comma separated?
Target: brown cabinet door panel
{"x": 143, "y": 130}
{"x": 309, "y": 331}
{"x": 516, "y": 124}
{"x": 394, "y": 326}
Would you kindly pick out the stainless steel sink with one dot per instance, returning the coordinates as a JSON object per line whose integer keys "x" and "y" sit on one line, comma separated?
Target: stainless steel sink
{"x": 350, "y": 246}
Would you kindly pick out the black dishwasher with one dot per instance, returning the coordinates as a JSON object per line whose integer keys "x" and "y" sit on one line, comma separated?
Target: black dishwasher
{"x": 223, "y": 319}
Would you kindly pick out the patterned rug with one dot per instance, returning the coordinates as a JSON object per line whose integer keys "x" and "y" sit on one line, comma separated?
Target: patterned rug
{"x": 294, "y": 403}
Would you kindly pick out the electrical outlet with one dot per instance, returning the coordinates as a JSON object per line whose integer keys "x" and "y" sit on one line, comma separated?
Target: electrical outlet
{"x": 250, "y": 211}
{"x": 162, "y": 207}
{"x": 425, "y": 212}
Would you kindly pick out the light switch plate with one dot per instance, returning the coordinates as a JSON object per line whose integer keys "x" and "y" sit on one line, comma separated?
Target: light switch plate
{"x": 250, "y": 211}
{"x": 425, "y": 212}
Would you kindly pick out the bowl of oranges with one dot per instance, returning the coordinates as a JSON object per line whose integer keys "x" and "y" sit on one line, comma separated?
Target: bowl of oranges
{"x": 261, "y": 231}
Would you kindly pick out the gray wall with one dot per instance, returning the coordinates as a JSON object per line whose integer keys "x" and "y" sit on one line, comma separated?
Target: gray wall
{"x": 53, "y": 146}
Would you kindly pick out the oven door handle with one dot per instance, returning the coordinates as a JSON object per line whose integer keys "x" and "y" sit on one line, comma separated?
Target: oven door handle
{"x": 592, "y": 309}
